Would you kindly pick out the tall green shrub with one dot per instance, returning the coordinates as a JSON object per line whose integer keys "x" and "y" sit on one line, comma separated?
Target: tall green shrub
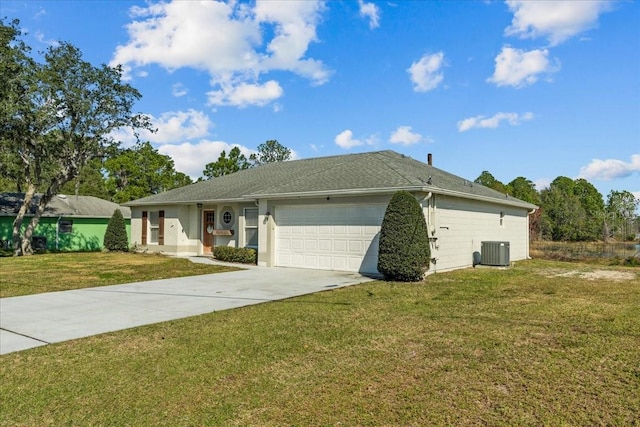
{"x": 115, "y": 238}
{"x": 403, "y": 252}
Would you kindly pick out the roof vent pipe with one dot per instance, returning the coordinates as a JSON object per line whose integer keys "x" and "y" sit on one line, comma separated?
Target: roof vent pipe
{"x": 430, "y": 159}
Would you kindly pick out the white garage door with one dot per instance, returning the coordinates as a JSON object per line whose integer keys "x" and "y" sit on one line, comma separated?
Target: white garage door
{"x": 338, "y": 237}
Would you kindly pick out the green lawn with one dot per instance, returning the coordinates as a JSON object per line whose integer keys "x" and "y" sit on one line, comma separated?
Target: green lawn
{"x": 543, "y": 343}
{"x": 63, "y": 271}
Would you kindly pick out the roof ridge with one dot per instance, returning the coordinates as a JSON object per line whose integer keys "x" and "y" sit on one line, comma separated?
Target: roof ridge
{"x": 343, "y": 159}
{"x": 336, "y": 155}
{"x": 388, "y": 165}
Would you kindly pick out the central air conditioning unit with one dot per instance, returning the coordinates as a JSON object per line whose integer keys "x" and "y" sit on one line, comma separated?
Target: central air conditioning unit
{"x": 39, "y": 243}
{"x": 495, "y": 253}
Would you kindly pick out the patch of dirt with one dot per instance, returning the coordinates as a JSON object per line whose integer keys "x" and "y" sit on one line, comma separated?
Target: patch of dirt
{"x": 598, "y": 275}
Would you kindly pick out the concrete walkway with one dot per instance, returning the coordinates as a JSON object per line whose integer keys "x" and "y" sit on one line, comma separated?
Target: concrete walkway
{"x": 36, "y": 320}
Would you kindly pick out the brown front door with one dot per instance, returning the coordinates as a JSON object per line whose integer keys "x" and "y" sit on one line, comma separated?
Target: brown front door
{"x": 208, "y": 225}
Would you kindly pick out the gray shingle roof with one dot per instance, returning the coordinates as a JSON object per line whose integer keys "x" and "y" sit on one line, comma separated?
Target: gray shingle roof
{"x": 62, "y": 205}
{"x": 365, "y": 173}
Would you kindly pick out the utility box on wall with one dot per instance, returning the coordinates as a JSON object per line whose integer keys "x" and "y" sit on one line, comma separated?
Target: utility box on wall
{"x": 495, "y": 253}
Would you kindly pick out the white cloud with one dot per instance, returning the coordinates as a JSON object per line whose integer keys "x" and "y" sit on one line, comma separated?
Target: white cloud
{"x": 345, "y": 140}
{"x": 179, "y": 125}
{"x": 171, "y": 127}
{"x": 556, "y": 20}
{"x": 39, "y": 35}
{"x": 234, "y": 42}
{"x": 611, "y": 168}
{"x": 178, "y": 90}
{"x": 513, "y": 119}
{"x": 403, "y": 135}
{"x": 42, "y": 12}
{"x": 519, "y": 68}
{"x": 245, "y": 94}
{"x": 542, "y": 183}
{"x": 371, "y": 12}
{"x": 294, "y": 29}
{"x": 191, "y": 158}
{"x": 425, "y": 73}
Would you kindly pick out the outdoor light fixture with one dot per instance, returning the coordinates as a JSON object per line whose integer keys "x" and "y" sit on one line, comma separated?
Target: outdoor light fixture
{"x": 199, "y": 205}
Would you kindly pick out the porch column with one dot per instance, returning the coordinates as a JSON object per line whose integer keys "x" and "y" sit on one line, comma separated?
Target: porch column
{"x": 266, "y": 234}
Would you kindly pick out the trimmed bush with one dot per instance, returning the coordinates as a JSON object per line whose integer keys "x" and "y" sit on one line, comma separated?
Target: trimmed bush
{"x": 404, "y": 253}
{"x": 230, "y": 254}
{"x": 115, "y": 237}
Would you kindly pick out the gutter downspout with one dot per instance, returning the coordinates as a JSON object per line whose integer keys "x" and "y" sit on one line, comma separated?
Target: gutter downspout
{"x": 58, "y": 231}
{"x": 431, "y": 234}
{"x": 529, "y": 213}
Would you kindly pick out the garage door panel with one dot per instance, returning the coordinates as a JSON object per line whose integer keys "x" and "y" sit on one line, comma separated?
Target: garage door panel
{"x": 370, "y": 230}
{"x": 325, "y": 245}
{"x": 354, "y": 230}
{"x": 340, "y": 245}
{"x": 285, "y": 244}
{"x": 325, "y": 230}
{"x": 311, "y": 261}
{"x": 329, "y": 237}
{"x": 356, "y": 246}
{"x": 296, "y": 259}
{"x": 324, "y": 262}
{"x": 297, "y": 244}
{"x": 339, "y": 263}
{"x": 339, "y": 230}
{"x": 354, "y": 263}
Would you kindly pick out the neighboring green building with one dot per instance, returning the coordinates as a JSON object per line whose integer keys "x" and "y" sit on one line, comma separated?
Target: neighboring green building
{"x": 69, "y": 223}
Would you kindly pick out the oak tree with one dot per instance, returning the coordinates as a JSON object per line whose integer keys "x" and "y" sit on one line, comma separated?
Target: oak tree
{"x": 56, "y": 117}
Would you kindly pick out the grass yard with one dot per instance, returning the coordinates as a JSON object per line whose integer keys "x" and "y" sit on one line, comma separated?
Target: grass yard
{"x": 542, "y": 343}
{"x": 63, "y": 271}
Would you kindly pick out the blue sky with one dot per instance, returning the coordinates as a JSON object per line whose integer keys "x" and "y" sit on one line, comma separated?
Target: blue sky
{"x": 518, "y": 88}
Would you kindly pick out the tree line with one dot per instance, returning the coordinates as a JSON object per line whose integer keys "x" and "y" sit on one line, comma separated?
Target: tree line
{"x": 125, "y": 174}
{"x": 573, "y": 209}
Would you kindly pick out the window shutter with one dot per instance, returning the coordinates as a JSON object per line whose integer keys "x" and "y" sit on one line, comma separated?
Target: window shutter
{"x": 144, "y": 227}
{"x": 161, "y": 228}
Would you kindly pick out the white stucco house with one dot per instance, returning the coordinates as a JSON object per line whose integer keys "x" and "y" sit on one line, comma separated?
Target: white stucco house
{"x": 326, "y": 212}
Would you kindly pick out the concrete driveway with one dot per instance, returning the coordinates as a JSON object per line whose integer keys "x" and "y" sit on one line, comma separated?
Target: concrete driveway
{"x": 36, "y": 320}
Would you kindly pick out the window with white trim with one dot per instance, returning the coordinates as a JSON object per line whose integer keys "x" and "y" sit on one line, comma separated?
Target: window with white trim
{"x": 65, "y": 226}
{"x": 251, "y": 227}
